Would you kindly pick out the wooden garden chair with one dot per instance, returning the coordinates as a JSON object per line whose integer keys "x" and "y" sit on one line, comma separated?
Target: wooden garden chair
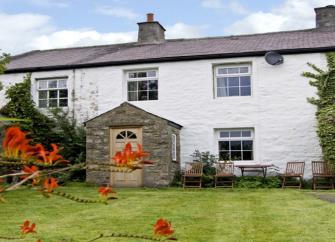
{"x": 325, "y": 171}
{"x": 224, "y": 176}
{"x": 192, "y": 175}
{"x": 293, "y": 170}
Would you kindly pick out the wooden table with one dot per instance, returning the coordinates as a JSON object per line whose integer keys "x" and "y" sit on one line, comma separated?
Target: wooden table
{"x": 254, "y": 168}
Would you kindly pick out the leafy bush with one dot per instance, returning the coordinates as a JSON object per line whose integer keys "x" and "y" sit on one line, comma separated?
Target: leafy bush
{"x": 209, "y": 161}
{"x": 258, "y": 182}
{"x": 71, "y": 136}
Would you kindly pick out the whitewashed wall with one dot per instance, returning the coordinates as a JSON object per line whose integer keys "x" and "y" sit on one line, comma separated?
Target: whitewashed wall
{"x": 283, "y": 121}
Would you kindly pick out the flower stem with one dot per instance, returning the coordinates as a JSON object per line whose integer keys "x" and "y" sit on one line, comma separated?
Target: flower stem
{"x": 120, "y": 235}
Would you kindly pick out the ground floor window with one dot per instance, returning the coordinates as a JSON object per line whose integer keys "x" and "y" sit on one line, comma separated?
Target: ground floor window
{"x": 236, "y": 144}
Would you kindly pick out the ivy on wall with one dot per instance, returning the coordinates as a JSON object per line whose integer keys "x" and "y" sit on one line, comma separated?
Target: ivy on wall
{"x": 324, "y": 81}
{"x": 326, "y": 132}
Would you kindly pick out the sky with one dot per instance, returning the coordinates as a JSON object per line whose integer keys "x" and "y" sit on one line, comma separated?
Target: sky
{"x": 27, "y": 25}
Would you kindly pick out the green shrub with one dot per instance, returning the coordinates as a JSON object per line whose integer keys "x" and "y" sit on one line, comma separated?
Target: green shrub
{"x": 71, "y": 136}
{"x": 208, "y": 161}
{"x": 258, "y": 182}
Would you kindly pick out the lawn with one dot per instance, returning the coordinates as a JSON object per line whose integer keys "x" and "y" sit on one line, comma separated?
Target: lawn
{"x": 207, "y": 215}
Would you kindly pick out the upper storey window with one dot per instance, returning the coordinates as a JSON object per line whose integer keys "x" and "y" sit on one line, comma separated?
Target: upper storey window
{"x": 233, "y": 80}
{"x": 52, "y": 93}
{"x": 142, "y": 85}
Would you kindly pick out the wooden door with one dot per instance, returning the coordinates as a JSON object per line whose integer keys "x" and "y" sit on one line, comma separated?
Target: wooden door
{"x": 119, "y": 138}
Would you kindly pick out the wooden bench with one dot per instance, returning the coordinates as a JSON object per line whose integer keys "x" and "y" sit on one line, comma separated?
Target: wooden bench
{"x": 325, "y": 171}
{"x": 224, "y": 176}
{"x": 192, "y": 175}
{"x": 293, "y": 170}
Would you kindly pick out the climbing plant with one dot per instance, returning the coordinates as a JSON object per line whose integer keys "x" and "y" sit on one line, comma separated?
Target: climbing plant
{"x": 324, "y": 81}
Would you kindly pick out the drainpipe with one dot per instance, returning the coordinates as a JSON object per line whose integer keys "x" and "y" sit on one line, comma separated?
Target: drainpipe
{"x": 73, "y": 93}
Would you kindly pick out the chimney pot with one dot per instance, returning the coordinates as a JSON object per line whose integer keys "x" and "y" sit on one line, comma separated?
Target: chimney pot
{"x": 150, "y": 17}
{"x": 325, "y": 16}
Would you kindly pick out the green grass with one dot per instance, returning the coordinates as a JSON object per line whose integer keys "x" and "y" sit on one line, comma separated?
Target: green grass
{"x": 207, "y": 215}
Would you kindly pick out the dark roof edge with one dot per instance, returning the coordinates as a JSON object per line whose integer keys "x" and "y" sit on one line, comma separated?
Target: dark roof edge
{"x": 169, "y": 59}
{"x": 169, "y": 122}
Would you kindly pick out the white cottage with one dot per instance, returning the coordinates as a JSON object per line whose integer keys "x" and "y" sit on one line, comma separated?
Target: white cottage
{"x": 215, "y": 94}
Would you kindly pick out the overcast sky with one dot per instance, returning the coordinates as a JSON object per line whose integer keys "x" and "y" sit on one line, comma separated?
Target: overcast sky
{"x": 44, "y": 24}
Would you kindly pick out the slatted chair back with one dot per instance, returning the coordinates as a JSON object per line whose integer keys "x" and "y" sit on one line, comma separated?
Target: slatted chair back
{"x": 321, "y": 168}
{"x": 193, "y": 168}
{"x": 225, "y": 169}
{"x": 295, "y": 168}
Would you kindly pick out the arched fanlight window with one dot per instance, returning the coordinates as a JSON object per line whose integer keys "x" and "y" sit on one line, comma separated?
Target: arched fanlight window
{"x": 126, "y": 135}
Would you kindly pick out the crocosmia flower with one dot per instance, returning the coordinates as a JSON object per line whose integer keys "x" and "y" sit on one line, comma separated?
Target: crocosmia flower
{"x": 50, "y": 184}
{"x": 104, "y": 191}
{"x": 163, "y": 228}
{"x": 29, "y": 171}
{"x": 26, "y": 228}
{"x": 15, "y": 145}
{"x": 49, "y": 157}
{"x": 130, "y": 158}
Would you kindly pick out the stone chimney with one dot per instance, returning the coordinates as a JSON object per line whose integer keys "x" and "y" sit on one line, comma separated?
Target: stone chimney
{"x": 150, "y": 32}
{"x": 325, "y": 16}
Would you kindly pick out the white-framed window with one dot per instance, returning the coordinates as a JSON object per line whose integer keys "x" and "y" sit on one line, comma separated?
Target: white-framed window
{"x": 233, "y": 80}
{"x": 174, "y": 147}
{"x": 142, "y": 85}
{"x": 52, "y": 93}
{"x": 236, "y": 144}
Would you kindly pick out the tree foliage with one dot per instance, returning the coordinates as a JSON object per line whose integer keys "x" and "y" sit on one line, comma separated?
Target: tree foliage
{"x": 324, "y": 81}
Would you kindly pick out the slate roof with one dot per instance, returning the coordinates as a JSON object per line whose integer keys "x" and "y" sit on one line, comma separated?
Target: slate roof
{"x": 300, "y": 41}
{"x": 124, "y": 104}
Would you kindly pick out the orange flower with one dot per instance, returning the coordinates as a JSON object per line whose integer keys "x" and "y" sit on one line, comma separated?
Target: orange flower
{"x": 104, "y": 191}
{"x": 140, "y": 153}
{"x": 29, "y": 171}
{"x": 50, "y": 184}
{"x": 16, "y": 145}
{"x": 131, "y": 159}
{"x": 163, "y": 227}
{"x": 47, "y": 157}
{"x": 26, "y": 228}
